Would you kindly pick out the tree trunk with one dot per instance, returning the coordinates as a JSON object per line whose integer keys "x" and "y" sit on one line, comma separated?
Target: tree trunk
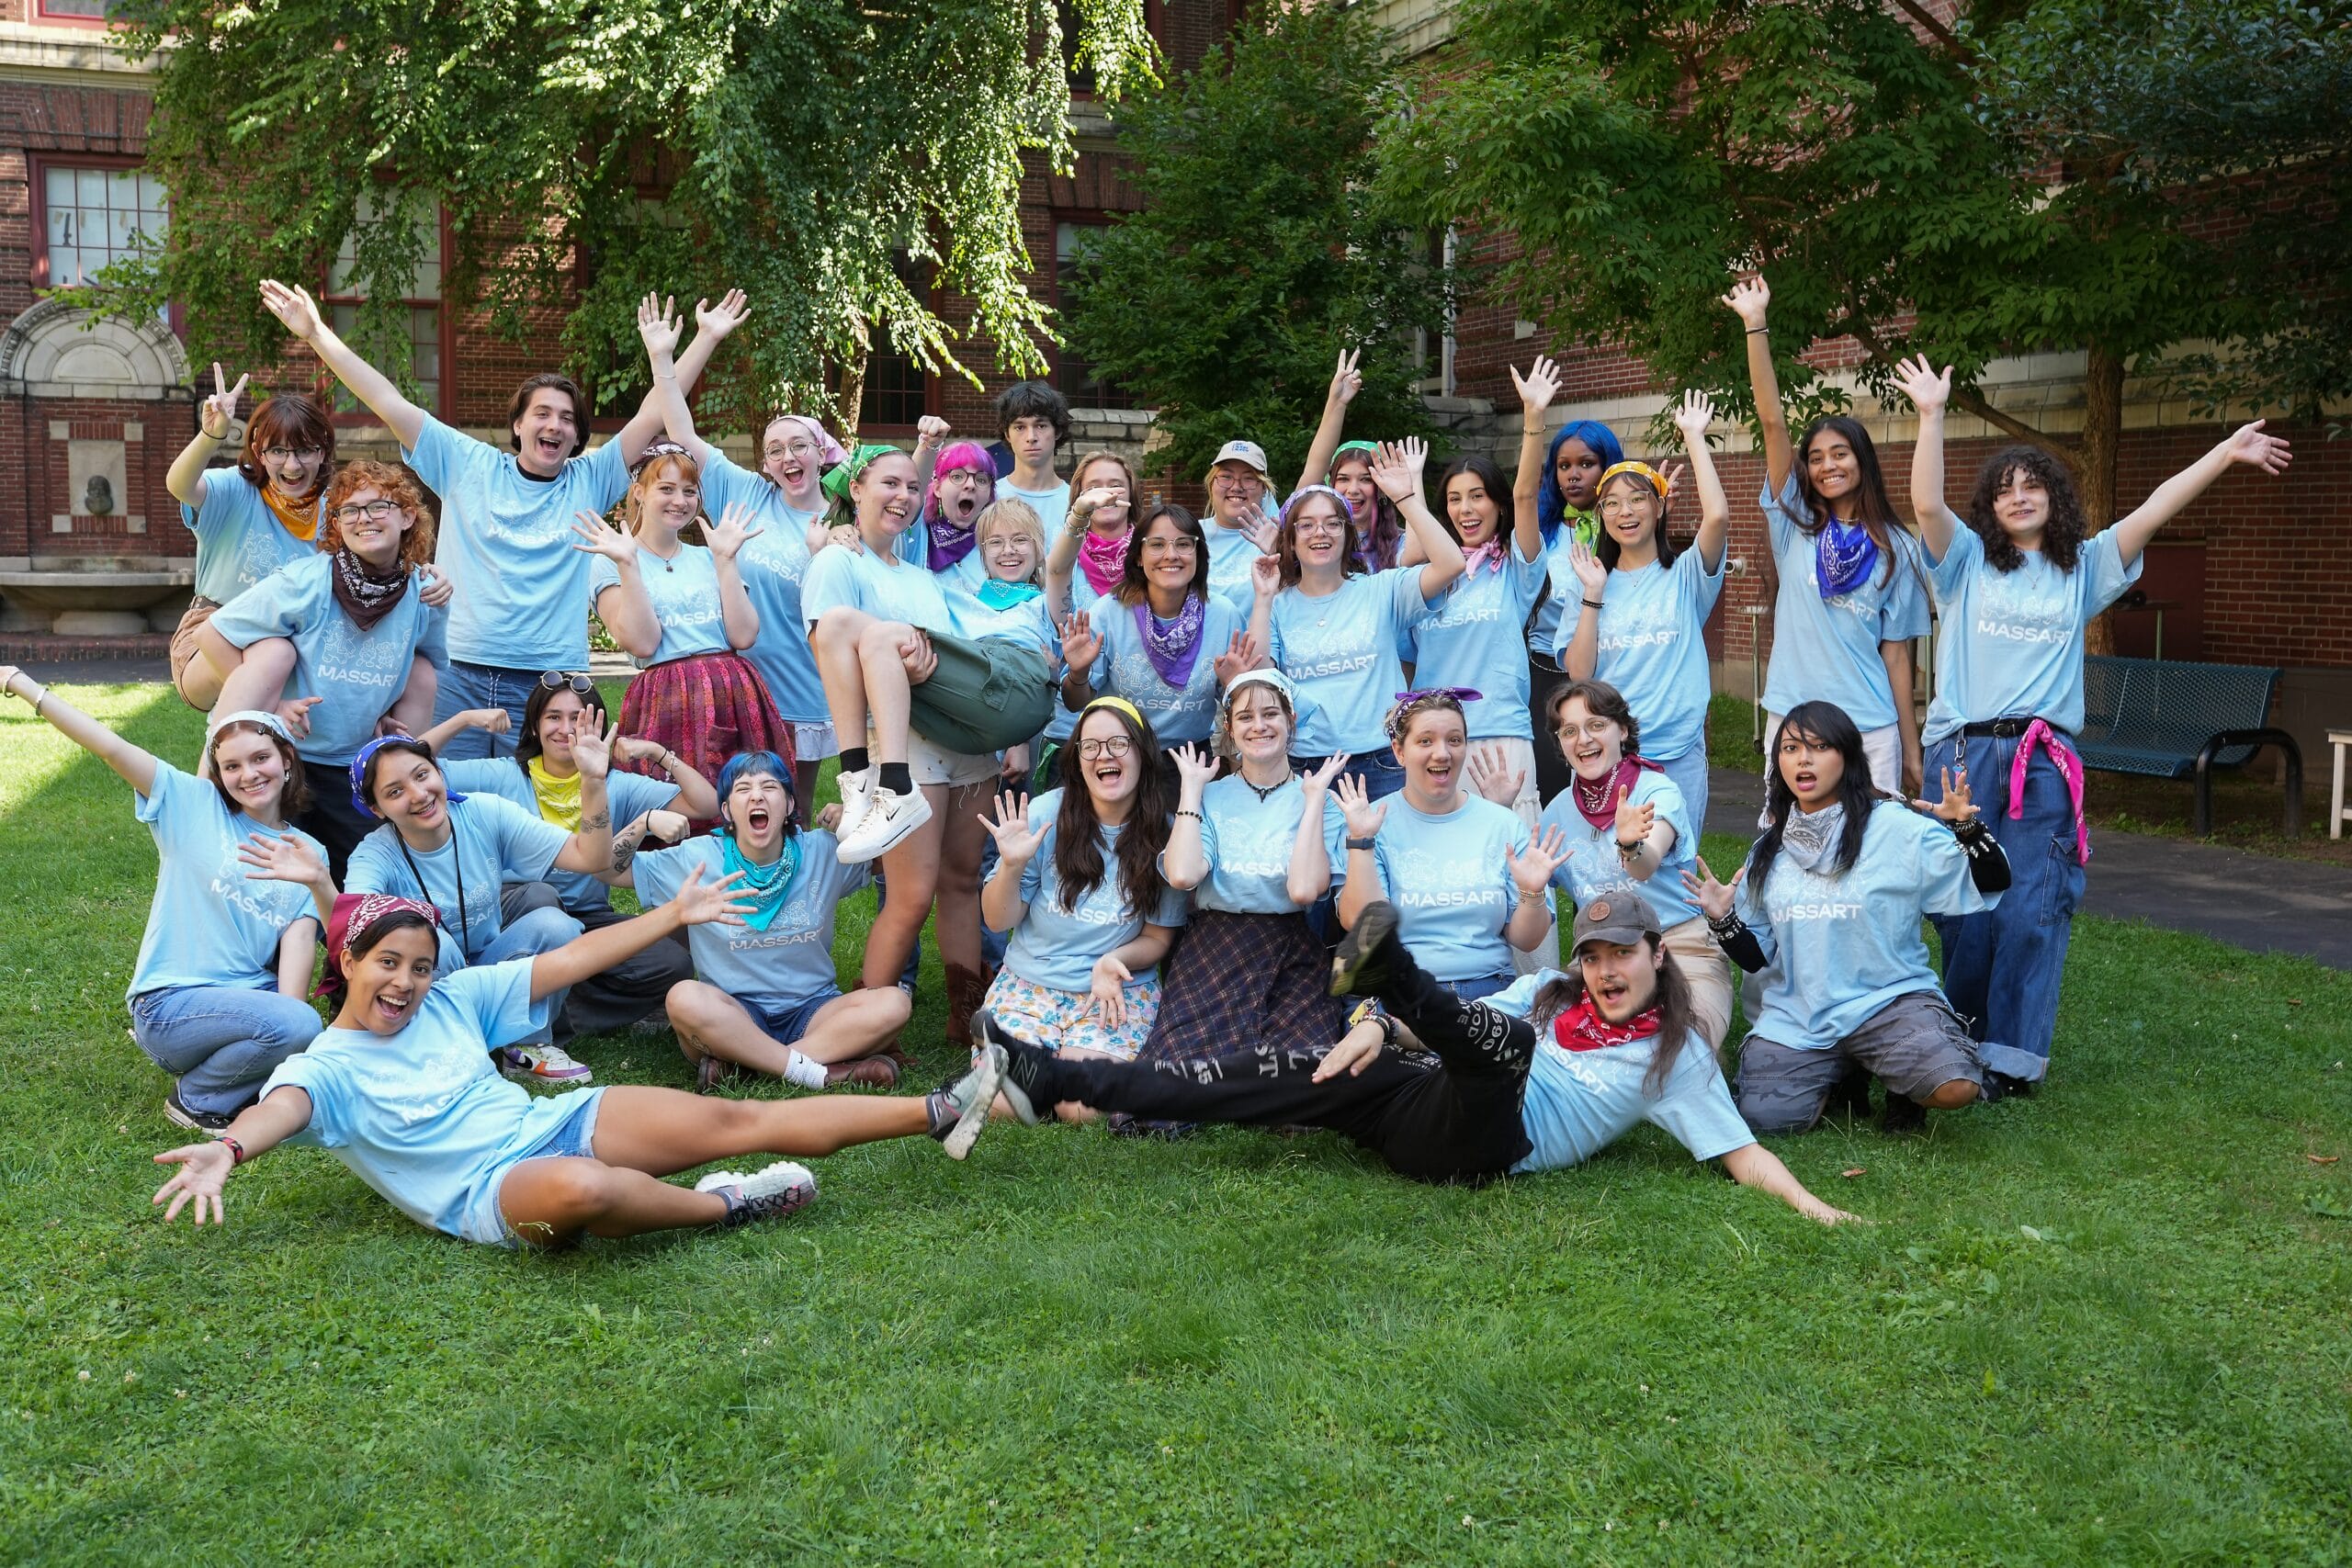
{"x": 2102, "y": 437}
{"x": 849, "y": 391}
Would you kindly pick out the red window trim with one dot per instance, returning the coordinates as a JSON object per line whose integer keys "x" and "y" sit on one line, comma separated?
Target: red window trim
{"x": 40, "y": 13}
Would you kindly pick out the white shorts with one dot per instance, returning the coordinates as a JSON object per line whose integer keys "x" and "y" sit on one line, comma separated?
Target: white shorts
{"x": 930, "y": 764}
{"x": 814, "y": 742}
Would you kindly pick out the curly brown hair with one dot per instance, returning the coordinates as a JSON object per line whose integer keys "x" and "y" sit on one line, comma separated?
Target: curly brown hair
{"x": 2062, "y": 536}
{"x": 395, "y": 484}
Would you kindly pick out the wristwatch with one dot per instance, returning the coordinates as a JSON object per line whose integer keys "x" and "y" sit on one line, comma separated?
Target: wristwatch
{"x": 1360, "y": 843}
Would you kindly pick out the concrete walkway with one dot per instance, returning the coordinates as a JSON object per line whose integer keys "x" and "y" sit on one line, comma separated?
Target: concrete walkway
{"x": 2261, "y": 903}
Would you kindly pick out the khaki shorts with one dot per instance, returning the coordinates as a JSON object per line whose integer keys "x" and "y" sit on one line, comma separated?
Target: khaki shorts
{"x": 199, "y": 610}
{"x": 1702, "y": 960}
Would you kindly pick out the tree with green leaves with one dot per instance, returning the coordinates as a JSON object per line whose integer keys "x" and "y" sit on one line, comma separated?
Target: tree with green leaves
{"x": 833, "y": 159}
{"x": 2043, "y": 178}
{"x": 1259, "y": 251}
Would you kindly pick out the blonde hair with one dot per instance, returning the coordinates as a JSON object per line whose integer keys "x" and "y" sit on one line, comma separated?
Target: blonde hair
{"x": 1018, "y": 517}
{"x": 1079, "y": 473}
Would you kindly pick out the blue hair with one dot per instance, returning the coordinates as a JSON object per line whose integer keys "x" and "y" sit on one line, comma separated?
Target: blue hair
{"x": 1551, "y": 507}
{"x": 768, "y": 763}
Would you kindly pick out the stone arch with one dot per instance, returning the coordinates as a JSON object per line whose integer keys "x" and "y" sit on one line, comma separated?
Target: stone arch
{"x": 60, "y": 349}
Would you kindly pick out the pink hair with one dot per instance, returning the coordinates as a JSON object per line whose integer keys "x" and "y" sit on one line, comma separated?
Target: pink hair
{"x": 959, "y": 455}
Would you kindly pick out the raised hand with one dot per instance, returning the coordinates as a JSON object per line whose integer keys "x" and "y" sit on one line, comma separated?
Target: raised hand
{"x": 2248, "y": 444}
{"x": 222, "y": 405}
{"x": 1106, "y": 996}
{"x": 932, "y": 431}
{"x": 1492, "y": 775}
{"x": 1713, "y": 898}
{"x": 1538, "y": 386}
{"x": 1097, "y": 498}
{"x": 280, "y": 857}
{"x": 294, "y": 713}
{"x": 1750, "y": 299}
{"x": 1242, "y": 654}
{"x": 602, "y": 537}
{"x": 1346, "y": 381}
{"x": 1364, "y": 814}
{"x": 700, "y": 903}
{"x": 1694, "y": 414}
{"x": 203, "y": 1171}
{"x": 1927, "y": 389}
{"x": 715, "y": 321}
{"x": 593, "y": 752}
{"x": 1396, "y": 468}
{"x": 1263, "y": 529}
{"x": 1591, "y": 575}
{"x": 1081, "y": 644}
{"x": 432, "y": 586}
{"x": 1531, "y": 868}
{"x": 1634, "y": 820}
{"x": 293, "y": 306}
{"x": 733, "y": 530}
{"x": 658, "y": 324}
{"x": 1016, "y": 840}
{"x": 1195, "y": 770}
{"x": 1956, "y": 806}
{"x": 1265, "y": 577}
{"x": 1319, "y": 780}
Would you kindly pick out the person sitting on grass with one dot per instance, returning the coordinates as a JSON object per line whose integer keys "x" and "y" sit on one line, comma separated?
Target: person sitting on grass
{"x": 764, "y": 995}
{"x": 1543, "y": 1076}
{"x": 1837, "y": 884}
{"x": 217, "y": 992}
{"x": 400, "y": 1090}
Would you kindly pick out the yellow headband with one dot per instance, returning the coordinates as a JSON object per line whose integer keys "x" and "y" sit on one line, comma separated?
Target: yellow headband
{"x": 1120, "y": 703}
{"x": 1657, "y": 480}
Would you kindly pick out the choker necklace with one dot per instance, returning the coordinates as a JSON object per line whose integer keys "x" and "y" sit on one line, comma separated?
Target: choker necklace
{"x": 1267, "y": 792}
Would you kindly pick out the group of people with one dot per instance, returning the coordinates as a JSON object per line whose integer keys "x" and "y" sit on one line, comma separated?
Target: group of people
{"x": 1259, "y": 817}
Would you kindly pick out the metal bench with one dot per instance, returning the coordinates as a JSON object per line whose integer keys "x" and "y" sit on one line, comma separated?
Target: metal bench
{"x": 2172, "y": 719}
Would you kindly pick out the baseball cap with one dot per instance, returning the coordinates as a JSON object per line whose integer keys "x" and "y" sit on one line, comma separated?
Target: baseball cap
{"x": 1620, "y": 916}
{"x": 1248, "y": 452}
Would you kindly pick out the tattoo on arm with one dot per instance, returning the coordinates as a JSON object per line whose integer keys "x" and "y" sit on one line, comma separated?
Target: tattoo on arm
{"x": 596, "y": 822}
{"x": 625, "y": 841}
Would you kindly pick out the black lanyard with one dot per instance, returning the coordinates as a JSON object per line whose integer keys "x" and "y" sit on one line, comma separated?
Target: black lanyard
{"x": 458, "y": 858}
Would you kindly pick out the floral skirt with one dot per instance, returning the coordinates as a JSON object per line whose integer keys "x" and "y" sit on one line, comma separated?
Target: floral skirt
{"x": 704, "y": 707}
{"x": 1062, "y": 1021}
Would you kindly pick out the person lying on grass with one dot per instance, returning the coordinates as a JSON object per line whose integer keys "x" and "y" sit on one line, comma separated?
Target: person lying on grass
{"x": 1546, "y": 1073}
{"x": 400, "y": 1089}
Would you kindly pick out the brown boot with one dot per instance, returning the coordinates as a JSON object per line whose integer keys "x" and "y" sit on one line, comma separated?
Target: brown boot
{"x": 966, "y": 991}
{"x": 869, "y": 1072}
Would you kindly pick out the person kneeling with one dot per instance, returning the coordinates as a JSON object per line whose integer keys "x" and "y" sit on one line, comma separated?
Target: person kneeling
{"x": 764, "y": 997}
{"x": 401, "y": 1091}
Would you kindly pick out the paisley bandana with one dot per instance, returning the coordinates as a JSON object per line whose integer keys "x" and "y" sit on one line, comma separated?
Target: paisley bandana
{"x": 1173, "y": 647}
{"x": 1104, "y": 561}
{"x": 1843, "y": 555}
{"x": 1581, "y": 1028}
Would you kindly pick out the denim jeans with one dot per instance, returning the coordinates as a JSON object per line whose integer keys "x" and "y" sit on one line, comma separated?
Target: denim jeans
{"x": 1689, "y": 772}
{"x": 2002, "y": 967}
{"x": 467, "y": 686}
{"x": 221, "y": 1041}
{"x": 1382, "y": 774}
{"x": 627, "y": 993}
{"x": 538, "y": 931}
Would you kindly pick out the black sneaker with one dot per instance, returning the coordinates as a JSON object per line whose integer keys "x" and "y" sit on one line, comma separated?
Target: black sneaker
{"x": 1903, "y": 1114}
{"x": 195, "y": 1121}
{"x": 1020, "y": 1069}
{"x": 1852, "y": 1099}
{"x": 1356, "y": 962}
{"x": 2001, "y": 1085}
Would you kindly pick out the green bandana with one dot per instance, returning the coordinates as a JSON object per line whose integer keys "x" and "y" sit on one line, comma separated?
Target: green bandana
{"x": 836, "y": 483}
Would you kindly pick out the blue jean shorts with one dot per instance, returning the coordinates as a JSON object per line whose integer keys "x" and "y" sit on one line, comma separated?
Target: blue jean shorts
{"x": 785, "y": 1025}
{"x": 560, "y": 1126}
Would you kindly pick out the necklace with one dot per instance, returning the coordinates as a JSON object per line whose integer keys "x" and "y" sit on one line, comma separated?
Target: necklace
{"x": 1270, "y": 791}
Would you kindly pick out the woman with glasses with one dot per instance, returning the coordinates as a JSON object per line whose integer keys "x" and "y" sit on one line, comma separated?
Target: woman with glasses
{"x": 340, "y": 641}
{"x": 1158, "y": 638}
{"x": 1335, "y": 629}
{"x": 1085, "y": 564}
{"x": 1080, "y": 891}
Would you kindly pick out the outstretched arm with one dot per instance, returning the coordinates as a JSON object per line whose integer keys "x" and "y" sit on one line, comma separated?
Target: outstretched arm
{"x": 1346, "y": 382}
{"x": 216, "y": 416}
{"x": 1930, "y": 393}
{"x": 1753, "y": 1165}
{"x": 204, "y": 1168}
{"x": 698, "y": 903}
{"x": 2247, "y": 445}
{"x": 137, "y": 767}
{"x": 1696, "y": 412}
{"x": 1536, "y": 390}
{"x": 1751, "y": 299}
{"x": 299, "y": 314}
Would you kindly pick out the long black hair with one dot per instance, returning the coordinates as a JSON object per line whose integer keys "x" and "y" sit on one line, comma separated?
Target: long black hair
{"x": 1874, "y": 509}
{"x": 1078, "y": 832}
{"x": 2062, "y": 536}
{"x": 1674, "y": 1014}
{"x": 1824, "y": 724}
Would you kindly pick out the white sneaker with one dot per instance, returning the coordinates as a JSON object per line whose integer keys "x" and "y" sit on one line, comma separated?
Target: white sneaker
{"x": 542, "y": 1063}
{"x": 889, "y": 817}
{"x": 768, "y": 1194}
{"x": 857, "y": 794}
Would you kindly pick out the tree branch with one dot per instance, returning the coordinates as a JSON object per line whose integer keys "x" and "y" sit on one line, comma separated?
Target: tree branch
{"x": 1969, "y": 398}
{"x": 1934, "y": 29}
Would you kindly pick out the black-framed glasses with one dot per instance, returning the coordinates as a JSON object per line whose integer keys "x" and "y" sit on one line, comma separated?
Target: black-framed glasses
{"x": 559, "y": 680}
{"x": 1108, "y": 746}
{"x": 374, "y": 510}
{"x": 284, "y": 454}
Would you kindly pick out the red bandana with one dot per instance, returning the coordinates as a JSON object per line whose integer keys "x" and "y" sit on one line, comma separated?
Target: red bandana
{"x": 1581, "y": 1028}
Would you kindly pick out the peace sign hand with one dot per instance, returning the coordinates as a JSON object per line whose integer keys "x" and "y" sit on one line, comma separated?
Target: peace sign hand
{"x": 1364, "y": 814}
{"x": 1531, "y": 869}
{"x": 733, "y": 530}
{"x": 1713, "y": 898}
{"x": 222, "y": 404}
{"x": 1016, "y": 840}
{"x": 1538, "y": 386}
{"x": 602, "y": 537}
{"x": 1346, "y": 380}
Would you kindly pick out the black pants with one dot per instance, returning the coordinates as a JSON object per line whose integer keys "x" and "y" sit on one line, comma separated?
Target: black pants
{"x": 1453, "y": 1119}
{"x": 333, "y": 820}
{"x": 621, "y": 996}
{"x": 1553, "y": 774}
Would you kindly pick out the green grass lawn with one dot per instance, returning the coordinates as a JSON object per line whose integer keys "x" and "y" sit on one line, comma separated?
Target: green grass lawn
{"x": 2108, "y": 1325}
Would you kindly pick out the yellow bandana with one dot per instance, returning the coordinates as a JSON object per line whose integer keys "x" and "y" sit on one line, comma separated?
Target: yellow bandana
{"x": 300, "y": 518}
{"x": 558, "y": 798}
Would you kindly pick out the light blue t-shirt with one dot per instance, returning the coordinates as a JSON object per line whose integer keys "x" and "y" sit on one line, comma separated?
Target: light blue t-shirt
{"x": 851, "y": 576}
{"x": 238, "y": 540}
{"x": 2012, "y": 641}
{"x": 684, "y": 592}
{"x": 1841, "y": 948}
{"x": 1052, "y": 506}
{"x": 1450, "y": 878}
{"x": 773, "y": 563}
{"x": 1825, "y": 650}
{"x": 1578, "y": 1102}
{"x": 1029, "y": 624}
{"x": 630, "y": 795}
{"x": 1055, "y": 946}
{"x": 1554, "y": 616}
{"x": 1231, "y": 551}
{"x": 422, "y": 1117}
{"x": 1653, "y": 648}
{"x": 208, "y": 925}
{"x": 1248, "y": 842}
{"x": 1595, "y": 867}
{"x": 507, "y": 538}
{"x": 1341, "y": 651}
{"x": 360, "y": 674}
{"x": 792, "y": 961}
{"x": 1062, "y": 723}
{"x": 1124, "y": 669}
{"x": 491, "y": 842}
{"x": 1472, "y": 637}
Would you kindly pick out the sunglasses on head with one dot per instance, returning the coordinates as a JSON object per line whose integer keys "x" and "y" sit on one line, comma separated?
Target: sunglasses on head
{"x": 557, "y": 681}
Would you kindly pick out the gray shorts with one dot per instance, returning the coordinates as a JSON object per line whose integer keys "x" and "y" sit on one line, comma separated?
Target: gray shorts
{"x": 1914, "y": 1044}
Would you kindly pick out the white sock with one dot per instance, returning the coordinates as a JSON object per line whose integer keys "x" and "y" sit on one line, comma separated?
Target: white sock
{"x": 804, "y": 1073}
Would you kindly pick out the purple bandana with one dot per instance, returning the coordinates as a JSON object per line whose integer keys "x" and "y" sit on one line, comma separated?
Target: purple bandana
{"x": 1173, "y": 647}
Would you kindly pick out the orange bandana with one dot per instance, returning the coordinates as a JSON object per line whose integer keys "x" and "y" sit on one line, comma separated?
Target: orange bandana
{"x": 299, "y": 518}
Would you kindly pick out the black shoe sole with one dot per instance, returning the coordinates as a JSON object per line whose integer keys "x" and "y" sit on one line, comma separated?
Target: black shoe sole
{"x": 1353, "y": 955}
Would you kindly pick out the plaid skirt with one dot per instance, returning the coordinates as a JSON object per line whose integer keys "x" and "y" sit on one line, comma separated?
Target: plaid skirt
{"x": 1246, "y": 988}
{"x": 704, "y": 707}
